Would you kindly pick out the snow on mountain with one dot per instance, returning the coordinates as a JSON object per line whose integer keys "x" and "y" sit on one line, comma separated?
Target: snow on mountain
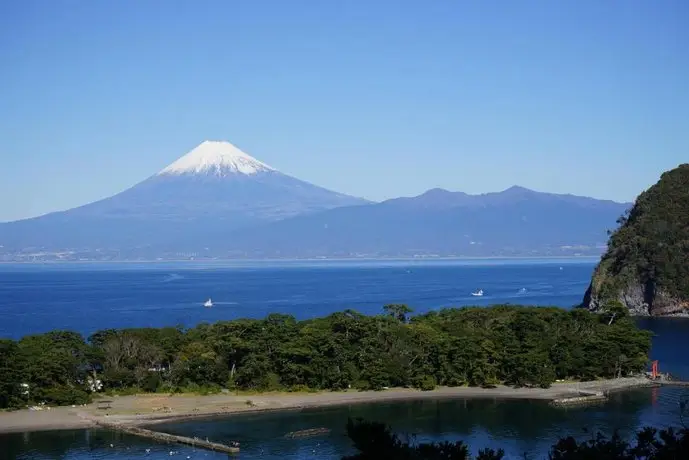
{"x": 215, "y": 187}
{"x": 219, "y": 201}
{"x": 216, "y": 157}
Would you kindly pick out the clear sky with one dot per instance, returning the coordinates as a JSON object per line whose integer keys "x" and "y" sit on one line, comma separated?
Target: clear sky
{"x": 373, "y": 98}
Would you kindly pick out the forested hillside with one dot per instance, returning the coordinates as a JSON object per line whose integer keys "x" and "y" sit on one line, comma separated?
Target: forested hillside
{"x": 646, "y": 266}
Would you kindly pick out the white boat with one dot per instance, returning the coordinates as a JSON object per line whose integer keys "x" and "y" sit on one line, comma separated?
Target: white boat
{"x": 209, "y": 303}
{"x": 478, "y": 293}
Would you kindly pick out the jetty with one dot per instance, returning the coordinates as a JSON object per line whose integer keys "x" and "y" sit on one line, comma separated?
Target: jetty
{"x": 674, "y": 383}
{"x": 664, "y": 378}
{"x": 170, "y": 438}
{"x": 584, "y": 398}
{"x": 307, "y": 433}
{"x": 593, "y": 395}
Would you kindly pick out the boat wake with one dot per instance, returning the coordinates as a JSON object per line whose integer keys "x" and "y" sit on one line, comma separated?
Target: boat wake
{"x": 171, "y": 277}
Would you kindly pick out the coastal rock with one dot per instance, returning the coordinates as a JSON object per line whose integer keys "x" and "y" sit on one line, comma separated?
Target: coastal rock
{"x": 646, "y": 266}
{"x": 639, "y": 303}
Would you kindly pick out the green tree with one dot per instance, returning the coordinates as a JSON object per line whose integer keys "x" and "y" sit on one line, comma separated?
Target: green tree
{"x": 515, "y": 345}
{"x": 397, "y": 311}
{"x": 376, "y": 441}
{"x": 613, "y": 311}
{"x": 11, "y": 391}
{"x": 55, "y": 367}
{"x": 649, "y": 248}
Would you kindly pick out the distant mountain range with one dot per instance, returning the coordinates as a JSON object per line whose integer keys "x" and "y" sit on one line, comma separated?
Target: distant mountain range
{"x": 219, "y": 202}
{"x": 515, "y": 222}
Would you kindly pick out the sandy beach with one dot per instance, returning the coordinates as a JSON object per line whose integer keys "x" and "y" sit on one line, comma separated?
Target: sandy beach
{"x": 148, "y": 409}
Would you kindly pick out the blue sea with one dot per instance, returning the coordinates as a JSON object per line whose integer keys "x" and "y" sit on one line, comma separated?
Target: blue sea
{"x": 89, "y": 297}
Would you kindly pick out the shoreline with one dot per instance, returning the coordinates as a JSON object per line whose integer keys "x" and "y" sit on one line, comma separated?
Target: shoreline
{"x": 153, "y": 409}
{"x": 592, "y": 258}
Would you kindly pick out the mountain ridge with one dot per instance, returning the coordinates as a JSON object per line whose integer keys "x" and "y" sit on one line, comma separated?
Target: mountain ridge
{"x": 512, "y": 193}
{"x": 218, "y": 202}
{"x": 494, "y": 224}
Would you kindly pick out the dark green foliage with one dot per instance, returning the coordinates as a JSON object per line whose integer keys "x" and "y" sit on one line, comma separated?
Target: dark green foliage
{"x": 63, "y": 395}
{"x": 425, "y": 383}
{"x": 398, "y": 311}
{"x": 10, "y": 375}
{"x": 376, "y": 441}
{"x": 651, "y": 246}
{"x": 650, "y": 444}
{"x": 520, "y": 346}
{"x": 55, "y": 366}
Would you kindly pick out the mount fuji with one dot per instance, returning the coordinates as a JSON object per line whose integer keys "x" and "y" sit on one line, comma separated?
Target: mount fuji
{"x": 214, "y": 188}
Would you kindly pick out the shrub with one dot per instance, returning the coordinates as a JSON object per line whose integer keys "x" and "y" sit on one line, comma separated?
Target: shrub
{"x": 64, "y": 396}
{"x": 425, "y": 383}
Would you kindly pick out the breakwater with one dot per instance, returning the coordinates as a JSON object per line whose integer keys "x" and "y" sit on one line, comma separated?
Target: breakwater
{"x": 308, "y": 433}
{"x": 583, "y": 399}
{"x": 170, "y": 438}
{"x": 597, "y": 392}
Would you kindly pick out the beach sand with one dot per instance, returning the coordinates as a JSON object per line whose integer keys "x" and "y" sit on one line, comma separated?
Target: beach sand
{"x": 148, "y": 409}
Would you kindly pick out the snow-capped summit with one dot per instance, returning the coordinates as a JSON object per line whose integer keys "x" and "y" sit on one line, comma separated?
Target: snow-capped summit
{"x": 202, "y": 196}
{"x": 218, "y": 158}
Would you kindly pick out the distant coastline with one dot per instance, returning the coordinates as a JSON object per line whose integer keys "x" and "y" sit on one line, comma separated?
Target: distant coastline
{"x": 592, "y": 258}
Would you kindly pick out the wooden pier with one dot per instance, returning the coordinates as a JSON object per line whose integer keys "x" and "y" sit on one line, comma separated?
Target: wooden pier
{"x": 169, "y": 438}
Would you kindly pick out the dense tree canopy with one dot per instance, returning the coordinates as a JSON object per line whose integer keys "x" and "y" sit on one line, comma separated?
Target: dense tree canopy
{"x": 521, "y": 346}
{"x": 651, "y": 245}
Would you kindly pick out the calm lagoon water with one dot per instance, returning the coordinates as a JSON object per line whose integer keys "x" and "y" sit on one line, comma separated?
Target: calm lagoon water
{"x": 88, "y": 297}
{"x": 518, "y": 426}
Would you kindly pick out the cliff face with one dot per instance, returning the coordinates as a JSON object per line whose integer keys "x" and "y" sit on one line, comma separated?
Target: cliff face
{"x": 646, "y": 266}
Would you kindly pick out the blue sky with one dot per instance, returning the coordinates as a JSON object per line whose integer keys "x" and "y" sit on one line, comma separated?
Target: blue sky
{"x": 376, "y": 99}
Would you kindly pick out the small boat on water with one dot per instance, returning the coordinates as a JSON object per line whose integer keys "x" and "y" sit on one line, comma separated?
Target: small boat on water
{"x": 208, "y": 304}
{"x": 478, "y": 293}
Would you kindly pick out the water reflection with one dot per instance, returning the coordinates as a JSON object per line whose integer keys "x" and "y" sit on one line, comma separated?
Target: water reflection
{"x": 669, "y": 343}
{"x": 518, "y": 426}
{"x": 90, "y": 444}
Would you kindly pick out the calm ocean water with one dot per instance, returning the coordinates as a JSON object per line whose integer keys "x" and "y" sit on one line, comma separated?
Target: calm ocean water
{"x": 88, "y": 297}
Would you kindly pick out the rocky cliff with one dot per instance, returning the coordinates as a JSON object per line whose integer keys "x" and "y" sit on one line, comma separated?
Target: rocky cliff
{"x": 646, "y": 266}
